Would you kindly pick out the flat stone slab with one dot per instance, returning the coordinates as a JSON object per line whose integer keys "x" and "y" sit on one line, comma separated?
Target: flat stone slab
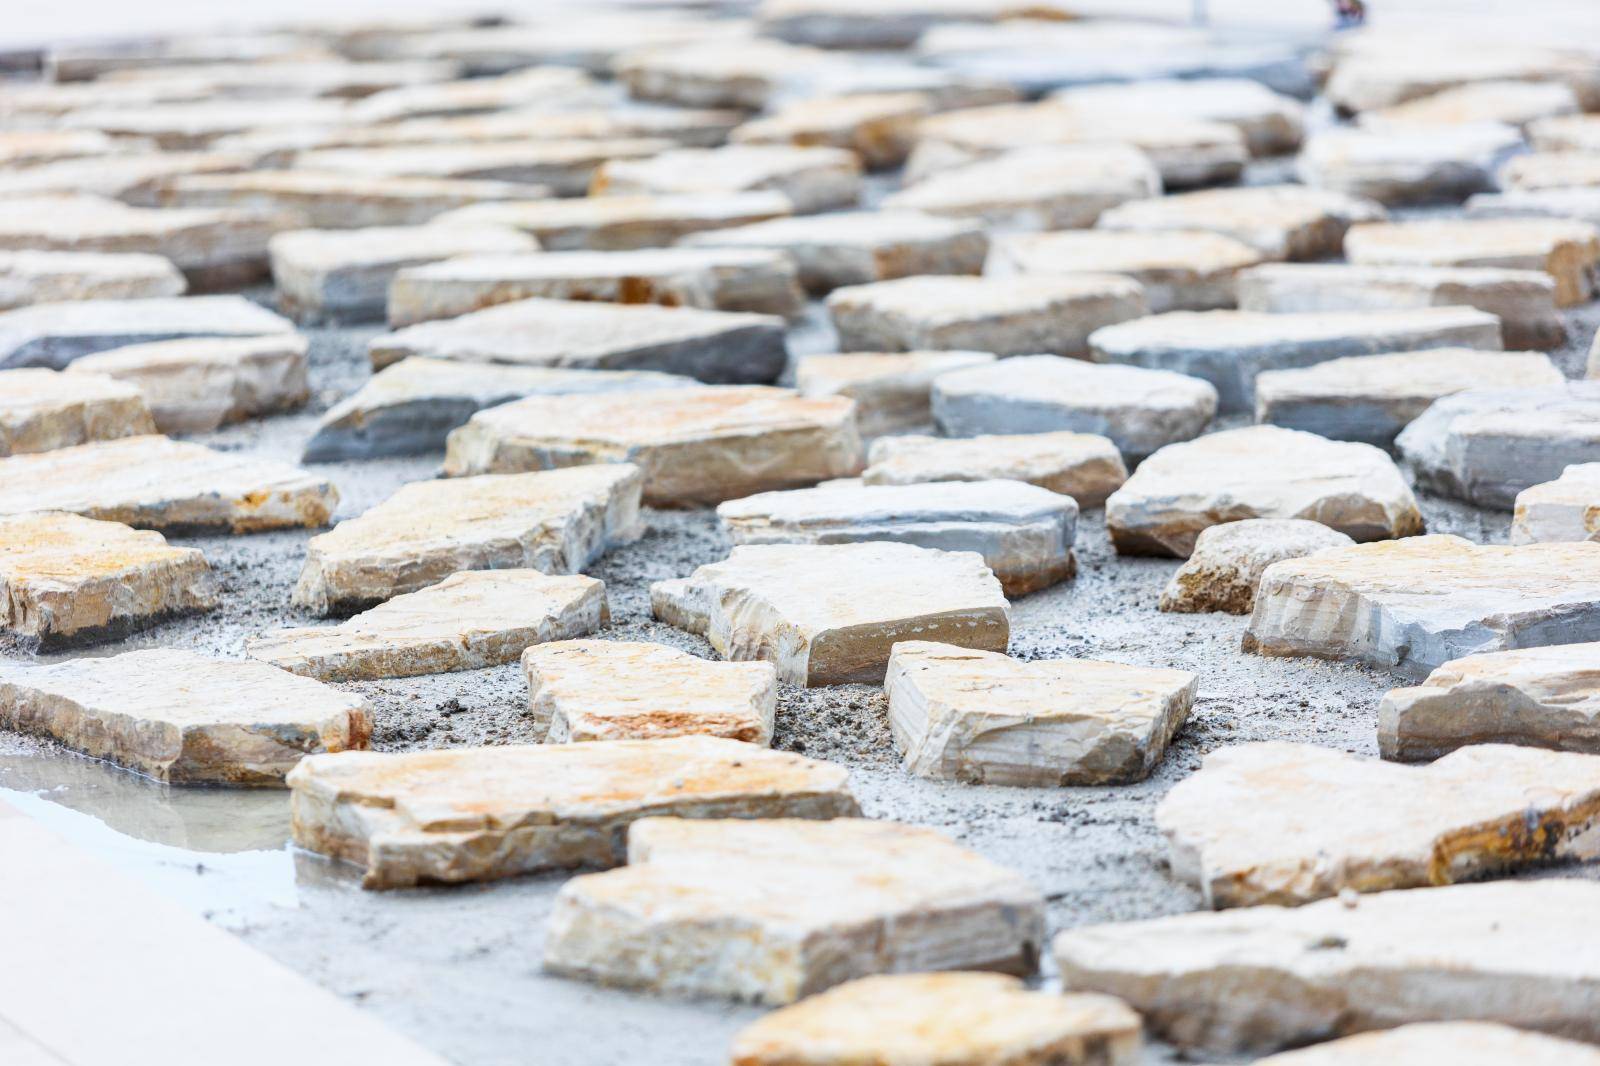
{"x": 470, "y": 620}
{"x": 411, "y": 406}
{"x": 183, "y": 718}
{"x": 153, "y": 482}
{"x": 1523, "y": 300}
{"x": 1085, "y": 466}
{"x": 629, "y": 690}
{"x": 1566, "y": 133}
{"x": 879, "y": 127}
{"x": 858, "y": 247}
{"x": 1181, "y": 270}
{"x": 959, "y": 1019}
{"x": 1459, "y": 1043}
{"x": 127, "y": 176}
{"x": 1279, "y": 221}
{"x": 1140, "y": 410}
{"x": 729, "y": 908}
{"x": 895, "y": 25}
{"x": 1391, "y": 72}
{"x": 1413, "y": 605}
{"x": 1566, "y": 250}
{"x": 1573, "y": 205}
{"x": 1259, "y": 472}
{"x": 1512, "y": 103}
{"x": 725, "y": 279}
{"x": 63, "y": 577}
{"x": 556, "y": 522}
{"x": 623, "y": 223}
{"x": 1371, "y": 398}
{"x": 1272, "y": 123}
{"x": 42, "y": 410}
{"x": 590, "y": 42}
{"x": 55, "y": 334}
{"x": 198, "y": 384}
{"x": 1222, "y": 572}
{"x": 25, "y": 147}
{"x": 829, "y": 614}
{"x": 562, "y": 167}
{"x": 345, "y": 274}
{"x": 1567, "y": 508}
{"x": 1409, "y": 165}
{"x": 814, "y": 179}
{"x": 479, "y": 814}
{"x": 741, "y": 72}
{"x": 1229, "y": 348}
{"x": 28, "y": 277}
{"x": 177, "y": 127}
{"x": 1486, "y": 446}
{"x": 1536, "y": 171}
{"x": 1006, "y": 316}
{"x": 892, "y": 390}
{"x": 1024, "y": 533}
{"x": 693, "y": 446}
{"x": 985, "y": 718}
{"x": 716, "y": 346}
{"x": 530, "y": 87}
{"x": 1252, "y": 825}
{"x": 1040, "y": 188}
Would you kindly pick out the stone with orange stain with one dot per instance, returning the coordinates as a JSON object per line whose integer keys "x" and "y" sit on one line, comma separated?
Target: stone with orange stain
{"x": 880, "y": 128}
{"x": 814, "y": 179}
{"x": 478, "y": 814}
{"x": 694, "y": 446}
{"x": 892, "y": 390}
{"x": 66, "y": 577}
{"x": 1568, "y": 250}
{"x": 1288, "y": 823}
{"x": 630, "y": 690}
{"x": 41, "y": 410}
{"x": 184, "y": 718}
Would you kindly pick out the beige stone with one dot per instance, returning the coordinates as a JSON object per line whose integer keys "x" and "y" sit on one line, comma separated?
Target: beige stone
{"x": 183, "y": 718}
{"x": 1566, "y": 509}
{"x": 28, "y": 277}
{"x": 693, "y": 446}
{"x": 1222, "y": 572}
{"x": 41, "y": 410}
{"x": 1568, "y": 251}
{"x": 87, "y": 60}
{"x": 179, "y": 127}
{"x": 56, "y": 334}
{"x": 1514, "y": 103}
{"x": 891, "y": 390}
{"x": 1570, "y": 133}
{"x": 532, "y": 88}
{"x": 943, "y": 1019}
{"x": 26, "y": 148}
{"x": 739, "y": 73}
{"x": 478, "y": 814}
{"x": 888, "y": 24}
{"x": 1180, "y": 270}
{"x": 311, "y": 77}
{"x": 557, "y": 522}
{"x": 1085, "y": 466}
{"x": 1279, "y": 221}
{"x": 1394, "y": 72}
{"x": 1551, "y": 170}
{"x": 879, "y": 128}
{"x": 1458, "y": 1043}
{"x": 128, "y": 177}
{"x": 1410, "y": 164}
{"x": 814, "y": 179}
{"x": 985, "y": 718}
{"x": 564, "y": 167}
{"x": 470, "y": 620}
{"x": 626, "y": 690}
{"x": 1580, "y": 204}
{"x": 830, "y": 614}
{"x": 623, "y": 223}
{"x": 770, "y": 911}
{"x": 1272, "y": 123}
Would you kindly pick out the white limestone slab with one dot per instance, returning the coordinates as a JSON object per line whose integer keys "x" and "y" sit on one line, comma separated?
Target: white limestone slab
{"x": 178, "y": 127}
{"x": 1085, "y": 466}
{"x": 623, "y": 223}
{"x": 889, "y": 25}
{"x": 1566, "y": 509}
{"x": 1513, "y": 103}
{"x": 592, "y": 41}
{"x": 1537, "y": 171}
{"x": 26, "y": 147}
{"x": 1460, "y": 1043}
{"x": 1397, "y": 71}
{"x": 892, "y": 390}
{"x": 814, "y": 179}
{"x": 1568, "y": 251}
{"x": 1567, "y": 133}
{"x": 1280, "y": 221}
{"x": 1410, "y": 165}
{"x": 1180, "y": 270}
{"x": 563, "y": 167}
{"x": 1272, "y": 123}
{"x": 125, "y": 176}
{"x": 55, "y": 334}
{"x": 28, "y": 277}
{"x": 41, "y": 410}
{"x": 1575, "y": 205}
{"x": 742, "y": 73}
{"x": 532, "y": 87}
{"x": 1222, "y": 572}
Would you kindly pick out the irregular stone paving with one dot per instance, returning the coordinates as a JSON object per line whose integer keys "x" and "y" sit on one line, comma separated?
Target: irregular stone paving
{"x": 1410, "y": 165}
{"x": 1006, "y": 316}
{"x": 183, "y": 718}
{"x": 1229, "y": 348}
{"x": 1486, "y": 446}
{"x": 1024, "y": 533}
{"x": 892, "y": 390}
{"x": 1272, "y": 123}
{"x": 1515, "y": 103}
{"x": 717, "y": 346}
{"x": 478, "y": 814}
{"x": 1140, "y": 410}
{"x": 1459, "y": 1043}
{"x": 1415, "y": 604}
{"x": 65, "y": 577}
{"x": 1251, "y": 826}
{"x": 623, "y": 223}
{"x": 1371, "y": 398}
{"x": 1567, "y": 508}
{"x": 1223, "y": 570}
{"x": 814, "y": 179}
{"x": 830, "y": 614}
{"x": 1182, "y": 270}
{"x": 740, "y": 909}
{"x": 1085, "y": 466}
{"x": 562, "y": 167}
{"x": 984, "y": 718}
{"x": 470, "y": 620}
{"x": 41, "y": 410}
{"x": 954, "y": 1019}
{"x": 1566, "y": 250}
{"x": 1279, "y": 221}
{"x": 411, "y": 406}
{"x": 627, "y": 690}
{"x": 693, "y": 446}
{"x": 554, "y": 521}
{"x": 1264, "y": 978}
{"x": 55, "y": 334}
{"x": 154, "y": 482}
{"x": 28, "y": 277}
{"x": 1259, "y": 472}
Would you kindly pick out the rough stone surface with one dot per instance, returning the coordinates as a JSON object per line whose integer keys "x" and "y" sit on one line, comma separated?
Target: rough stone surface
{"x": 28, "y": 277}
{"x": 1566, "y": 509}
{"x": 1139, "y": 410}
{"x": 1413, "y": 605}
{"x": 1272, "y": 123}
{"x": 1259, "y": 472}
{"x": 771, "y": 911}
{"x": 1181, "y": 270}
{"x": 183, "y": 718}
{"x": 1253, "y": 825}
{"x": 879, "y": 128}
{"x": 1085, "y": 466}
{"x": 42, "y": 410}
{"x": 1427, "y": 164}
{"x": 693, "y": 446}
{"x": 626, "y": 690}
{"x": 1222, "y": 572}
{"x": 1568, "y": 251}
{"x": 829, "y": 614}
{"x": 622, "y": 223}
{"x": 470, "y": 620}
{"x": 563, "y": 167}
{"x": 984, "y": 718}
{"x": 814, "y": 179}
{"x": 1229, "y": 348}
{"x": 556, "y": 521}
{"x": 891, "y": 390}
{"x": 1279, "y": 221}
{"x": 55, "y": 334}
{"x": 1458, "y": 1043}
{"x": 478, "y": 814}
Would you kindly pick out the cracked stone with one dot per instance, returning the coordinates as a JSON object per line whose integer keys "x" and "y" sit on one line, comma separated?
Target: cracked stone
{"x": 1085, "y": 466}
{"x": 1222, "y": 572}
